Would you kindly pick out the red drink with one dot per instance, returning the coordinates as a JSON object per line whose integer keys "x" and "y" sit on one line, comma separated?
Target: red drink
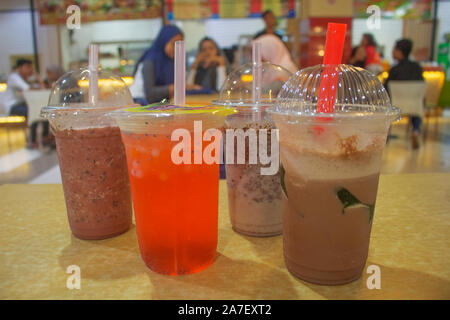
{"x": 175, "y": 206}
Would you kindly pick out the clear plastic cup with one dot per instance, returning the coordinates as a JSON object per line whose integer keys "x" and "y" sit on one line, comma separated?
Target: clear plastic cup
{"x": 91, "y": 154}
{"x": 331, "y": 164}
{"x": 175, "y": 200}
{"x": 254, "y": 199}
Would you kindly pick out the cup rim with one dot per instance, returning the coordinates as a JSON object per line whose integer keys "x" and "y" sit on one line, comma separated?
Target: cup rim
{"x": 245, "y": 103}
{"x": 364, "y": 112}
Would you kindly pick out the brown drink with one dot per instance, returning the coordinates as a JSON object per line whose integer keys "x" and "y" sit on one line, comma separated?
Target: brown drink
{"x": 254, "y": 191}
{"x": 95, "y": 181}
{"x": 90, "y": 151}
{"x": 331, "y": 164}
{"x": 254, "y": 199}
{"x": 327, "y": 220}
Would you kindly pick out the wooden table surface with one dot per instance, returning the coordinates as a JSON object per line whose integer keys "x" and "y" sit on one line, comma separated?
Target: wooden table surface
{"x": 410, "y": 243}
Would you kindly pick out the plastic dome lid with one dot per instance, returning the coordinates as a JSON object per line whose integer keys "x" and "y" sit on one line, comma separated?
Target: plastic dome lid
{"x": 71, "y": 92}
{"x": 237, "y": 88}
{"x": 358, "y": 92}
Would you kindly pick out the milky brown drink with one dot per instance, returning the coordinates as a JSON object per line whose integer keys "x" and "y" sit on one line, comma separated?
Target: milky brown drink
{"x": 333, "y": 122}
{"x": 330, "y": 183}
{"x": 95, "y": 181}
{"x": 254, "y": 199}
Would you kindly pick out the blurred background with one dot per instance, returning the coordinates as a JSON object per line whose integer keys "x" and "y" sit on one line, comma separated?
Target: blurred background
{"x": 37, "y": 31}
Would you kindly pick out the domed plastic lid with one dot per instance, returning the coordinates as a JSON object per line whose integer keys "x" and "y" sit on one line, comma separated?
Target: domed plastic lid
{"x": 71, "y": 92}
{"x": 237, "y": 89}
{"x": 358, "y": 93}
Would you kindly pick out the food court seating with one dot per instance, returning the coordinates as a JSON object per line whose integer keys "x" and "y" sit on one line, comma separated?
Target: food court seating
{"x": 409, "y": 96}
{"x": 36, "y": 99}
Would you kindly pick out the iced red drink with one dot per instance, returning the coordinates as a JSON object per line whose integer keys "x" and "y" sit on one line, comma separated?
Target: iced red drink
{"x": 175, "y": 202}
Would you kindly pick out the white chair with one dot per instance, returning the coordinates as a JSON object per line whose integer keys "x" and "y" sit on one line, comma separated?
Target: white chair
{"x": 409, "y": 96}
{"x": 36, "y": 99}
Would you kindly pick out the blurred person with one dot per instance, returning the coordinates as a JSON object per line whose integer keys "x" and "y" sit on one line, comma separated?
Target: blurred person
{"x": 13, "y": 99}
{"x": 209, "y": 68}
{"x": 406, "y": 70}
{"x": 271, "y": 23}
{"x": 274, "y": 51}
{"x": 231, "y": 55}
{"x": 153, "y": 75}
{"x": 365, "y": 55}
{"x": 358, "y": 57}
{"x": 54, "y": 72}
{"x": 369, "y": 44}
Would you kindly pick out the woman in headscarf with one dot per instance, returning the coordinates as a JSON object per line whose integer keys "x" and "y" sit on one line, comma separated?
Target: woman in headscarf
{"x": 274, "y": 51}
{"x": 209, "y": 68}
{"x": 153, "y": 76}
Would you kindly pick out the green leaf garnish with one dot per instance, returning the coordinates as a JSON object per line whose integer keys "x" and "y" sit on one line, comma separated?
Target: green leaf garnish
{"x": 282, "y": 173}
{"x": 348, "y": 200}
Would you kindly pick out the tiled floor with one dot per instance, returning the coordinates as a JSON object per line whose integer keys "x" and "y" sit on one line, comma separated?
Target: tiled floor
{"x": 20, "y": 165}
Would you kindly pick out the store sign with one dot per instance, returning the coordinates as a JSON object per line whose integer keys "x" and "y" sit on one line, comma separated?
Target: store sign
{"x": 204, "y": 9}
{"x": 55, "y": 11}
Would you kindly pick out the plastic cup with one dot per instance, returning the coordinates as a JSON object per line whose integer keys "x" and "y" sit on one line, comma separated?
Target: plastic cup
{"x": 175, "y": 204}
{"x": 254, "y": 199}
{"x": 91, "y": 154}
{"x": 330, "y": 178}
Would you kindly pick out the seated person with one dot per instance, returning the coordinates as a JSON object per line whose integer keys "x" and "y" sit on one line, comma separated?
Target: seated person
{"x": 208, "y": 70}
{"x": 406, "y": 70}
{"x": 13, "y": 99}
{"x": 274, "y": 51}
{"x": 153, "y": 76}
{"x": 54, "y": 72}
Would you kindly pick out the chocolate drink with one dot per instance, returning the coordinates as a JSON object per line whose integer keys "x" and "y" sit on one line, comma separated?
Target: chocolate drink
{"x": 95, "y": 181}
{"x": 323, "y": 240}
{"x": 254, "y": 199}
{"x": 328, "y": 206}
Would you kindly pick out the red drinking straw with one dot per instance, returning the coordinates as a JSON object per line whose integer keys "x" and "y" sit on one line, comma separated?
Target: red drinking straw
{"x": 334, "y": 48}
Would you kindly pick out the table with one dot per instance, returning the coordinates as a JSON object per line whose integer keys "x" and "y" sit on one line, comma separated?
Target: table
{"x": 201, "y": 99}
{"x": 410, "y": 243}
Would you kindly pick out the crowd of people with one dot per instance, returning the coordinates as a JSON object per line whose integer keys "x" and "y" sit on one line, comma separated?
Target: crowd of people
{"x": 154, "y": 71}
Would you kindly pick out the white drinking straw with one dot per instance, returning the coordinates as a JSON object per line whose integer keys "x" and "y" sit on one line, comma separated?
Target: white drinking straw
{"x": 257, "y": 71}
{"x": 93, "y": 74}
{"x": 180, "y": 66}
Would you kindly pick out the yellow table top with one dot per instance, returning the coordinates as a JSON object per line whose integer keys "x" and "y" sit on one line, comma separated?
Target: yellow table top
{"x": 410, "y": 243}
{"x": 201, "y": 99}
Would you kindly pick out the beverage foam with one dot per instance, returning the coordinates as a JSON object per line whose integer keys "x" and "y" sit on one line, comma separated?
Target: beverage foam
{"x": 333, "y": 154}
